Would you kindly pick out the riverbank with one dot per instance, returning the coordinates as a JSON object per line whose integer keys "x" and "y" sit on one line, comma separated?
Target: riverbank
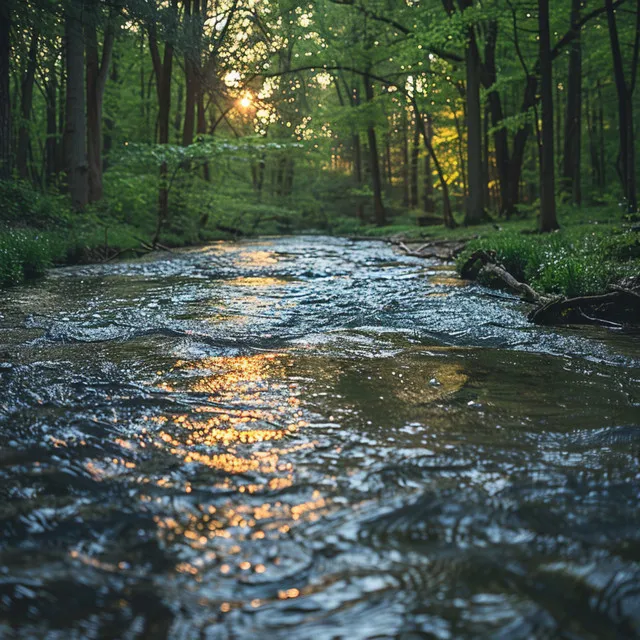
{"x": 594, "y": 250}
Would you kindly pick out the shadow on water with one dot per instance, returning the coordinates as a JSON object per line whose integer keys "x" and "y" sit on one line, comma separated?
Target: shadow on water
{"x": 310, "y": 438}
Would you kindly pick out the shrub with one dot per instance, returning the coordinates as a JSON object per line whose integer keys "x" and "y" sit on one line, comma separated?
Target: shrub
{"x": 572, "y": 262}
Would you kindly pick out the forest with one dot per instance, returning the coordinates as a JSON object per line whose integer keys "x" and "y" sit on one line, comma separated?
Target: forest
{"x": 134, "y": 124}
{"x": 319, "y": 320}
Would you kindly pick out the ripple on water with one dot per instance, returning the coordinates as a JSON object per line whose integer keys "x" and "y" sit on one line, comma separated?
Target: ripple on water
{"x": 310, "y": 437}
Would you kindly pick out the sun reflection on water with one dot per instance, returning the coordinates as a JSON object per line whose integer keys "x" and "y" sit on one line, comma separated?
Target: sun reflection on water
{"x": 240, "y": 438}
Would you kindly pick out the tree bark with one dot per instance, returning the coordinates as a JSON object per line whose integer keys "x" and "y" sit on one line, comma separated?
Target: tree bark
{"x": 5, "y": 92}
{"x": 51, "y": 144}
{"x": 429, "y": 205}
{"x": 379, "y": 213}
{"x": 625, "y": 106}
{"x": 427, "y": 135}
{"x": 548, "y": 220}
{"x": 97, "y": 74}
{"x": 191, "y": 9}
{"x": 475, "y": 213}
{"x": 571, "y": 167}
{"x": 406, "y": 196}
{"x": 75, "y": 121}
{"x": 162, "y": 70}
{"x": 415, "y": 154}
{"x": 26, "y": 103}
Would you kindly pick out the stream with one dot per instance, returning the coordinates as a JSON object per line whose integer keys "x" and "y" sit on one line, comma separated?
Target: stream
{"x": 310, "y": 437}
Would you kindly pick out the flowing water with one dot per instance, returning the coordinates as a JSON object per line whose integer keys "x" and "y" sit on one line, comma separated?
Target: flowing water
{"x": 310, "y": 438}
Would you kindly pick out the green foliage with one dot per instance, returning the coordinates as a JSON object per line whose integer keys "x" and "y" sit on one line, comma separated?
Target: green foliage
{"x": 24, "y": 255}
{"x": 574, "y": 262}
{"x": 21, "y": 205}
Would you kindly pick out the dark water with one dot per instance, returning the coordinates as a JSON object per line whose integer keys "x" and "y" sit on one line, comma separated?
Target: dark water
{"x": 310, "y": 438}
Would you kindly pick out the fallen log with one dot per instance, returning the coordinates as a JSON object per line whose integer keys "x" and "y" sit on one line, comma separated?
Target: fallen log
{"x": 616, "y": 309}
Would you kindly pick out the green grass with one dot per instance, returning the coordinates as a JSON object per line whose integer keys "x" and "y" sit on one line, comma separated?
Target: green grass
{"x": 25, "y": 255}
{"x": 584, "y": 259}
{"x": 591, "y": 252}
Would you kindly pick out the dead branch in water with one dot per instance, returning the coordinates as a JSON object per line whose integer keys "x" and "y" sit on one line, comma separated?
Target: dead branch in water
{"x": 614, "y": 310}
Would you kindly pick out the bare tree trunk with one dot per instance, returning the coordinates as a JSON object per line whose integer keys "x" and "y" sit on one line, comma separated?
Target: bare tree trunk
{"x": 201, "y": 130}
{"x": 75, "y": 121}
{"x": 97, "y": 74}
{"x": 475, "y": 213}
{"x": 427, "y": 136}
{"x": 429, "y": 205}
{"x": 625, "y": 105}
{"x": 379, "y": 212}
{"x": 415, "y": 153}
{"x": 548, "y": 220}
{"x": 406, "y": 199}
{"x": 162, "y": 70}
{"x": 601, "y": 148}
{"x": 357, "y": 174}
{"x": 26, "y": 102}
{"x": 191, "y": 10}
{"x": 571, "y": 167}
{"x": 5, "y": 92}
{"x": 51, "y": 144}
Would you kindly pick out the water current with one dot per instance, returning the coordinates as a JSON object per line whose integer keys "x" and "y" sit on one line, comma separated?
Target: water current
{"x": 310, "y": 438}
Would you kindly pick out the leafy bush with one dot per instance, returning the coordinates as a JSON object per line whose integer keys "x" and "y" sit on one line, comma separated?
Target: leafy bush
{"x": 572, "y": 262}
{"x": 24, "y": 255}
{"x": 21, "y": 205}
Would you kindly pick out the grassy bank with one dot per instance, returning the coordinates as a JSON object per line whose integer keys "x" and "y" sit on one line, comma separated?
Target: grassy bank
{"x": 594, "y": 249}
{"x": 583, "y": 258}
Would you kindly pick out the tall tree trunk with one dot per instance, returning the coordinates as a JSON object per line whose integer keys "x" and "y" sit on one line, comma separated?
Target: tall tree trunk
{"x": 427, "y": 136}
{"x": 26, "y": 102}
{"x": 357, "y": 174}
{"x": 406, "y": 196}
{"x": 500, "y": 134}
{"x": 190, "y": 71}
{"x": 201, "y": 129}
{"x": 548, "y": 220}
{"x": 428, "y": 204}
{"x": 475, "y": 212}
{"x": 572, "y": 156}
{"x": 97, "y": 74}
{"x": 51, "y": 144}
{"x": 415, "y": 154}
{"x": 5, "y": 92}
{"x": 625, "y": 105}
{"x": 601, "y": 147}
{"x": 75, "y": 121}
{"x": 162, "y": 70}
{"x": 109, "y": 123}
{"x": 379, "y": 212}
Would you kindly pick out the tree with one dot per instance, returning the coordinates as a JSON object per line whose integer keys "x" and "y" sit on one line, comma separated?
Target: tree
{"x": 97, "y": 74}
{"x": 548, "y": 219}
{"x": 625, "y": 90}
{"x": 5, "y": 96}
{"x": 572, "y": 156}
{"x": 75, "y": 122}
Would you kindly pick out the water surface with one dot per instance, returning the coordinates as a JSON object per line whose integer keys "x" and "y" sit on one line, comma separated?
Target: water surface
{"x": 310, "y": 438}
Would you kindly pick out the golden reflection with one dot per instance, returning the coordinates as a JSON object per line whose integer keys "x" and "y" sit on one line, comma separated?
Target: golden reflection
{"x": 245, "y": 281}
{"x": 448, "y": 281}
{"x": 258, "y": 258}
{"x": 244, "y": 427}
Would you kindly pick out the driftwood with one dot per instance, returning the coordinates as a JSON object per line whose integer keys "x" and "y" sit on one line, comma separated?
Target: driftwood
{"x": 616, "y": 309}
